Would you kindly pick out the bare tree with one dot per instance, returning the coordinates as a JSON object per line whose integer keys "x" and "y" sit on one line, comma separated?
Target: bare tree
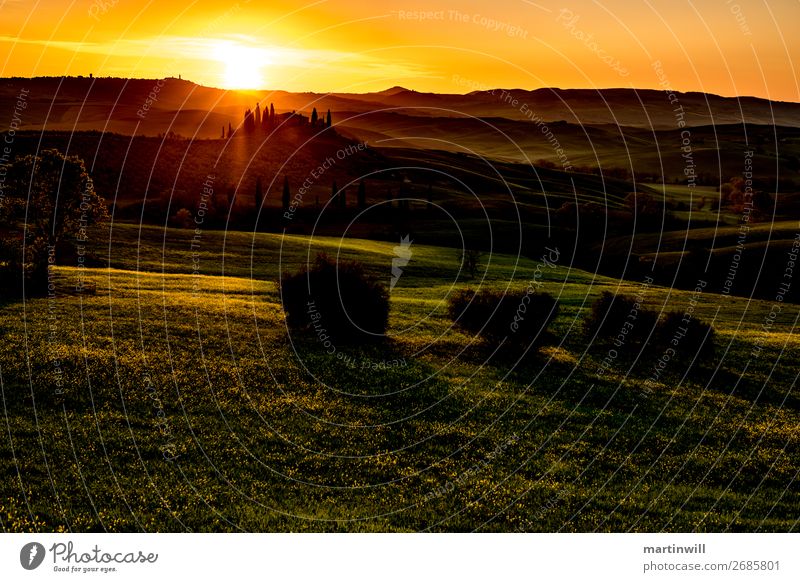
{"x": 471, "y": 261}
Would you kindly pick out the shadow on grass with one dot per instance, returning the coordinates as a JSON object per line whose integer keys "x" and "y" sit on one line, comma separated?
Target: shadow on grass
{"x": 376, "y": 374}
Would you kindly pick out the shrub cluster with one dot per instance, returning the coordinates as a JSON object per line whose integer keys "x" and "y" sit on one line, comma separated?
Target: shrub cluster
{"x": 520, "y": 317}
{"x": 620, "y": 317}
{"x": 688, "y": 339}
{"x": 340, "y": 298}
{"x": 623, "y": 320}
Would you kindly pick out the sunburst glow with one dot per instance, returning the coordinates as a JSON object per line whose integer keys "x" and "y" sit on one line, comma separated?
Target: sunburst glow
{"x": 244, "y": 65}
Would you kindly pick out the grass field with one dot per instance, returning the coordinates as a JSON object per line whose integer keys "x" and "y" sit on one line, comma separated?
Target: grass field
{"x": 175, "y": 399}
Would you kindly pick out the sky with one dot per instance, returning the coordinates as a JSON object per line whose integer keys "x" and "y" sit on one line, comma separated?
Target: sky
{"x": 727, "y": 47}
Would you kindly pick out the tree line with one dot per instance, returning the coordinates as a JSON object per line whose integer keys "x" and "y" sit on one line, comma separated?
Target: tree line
{"x": 256, "y": 120}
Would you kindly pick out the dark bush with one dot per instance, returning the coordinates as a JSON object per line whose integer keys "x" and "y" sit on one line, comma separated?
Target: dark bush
{"x": 620, "y": 318}
{"x": 337, "y": 300}
{"x": 687, "y": 339}
{"x": 521, "y": 317}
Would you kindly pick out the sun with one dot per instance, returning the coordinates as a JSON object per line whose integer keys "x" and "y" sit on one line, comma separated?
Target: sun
{"x": 243, "y": 65}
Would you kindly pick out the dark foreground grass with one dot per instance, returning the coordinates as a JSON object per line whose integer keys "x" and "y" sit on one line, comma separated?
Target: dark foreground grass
{"x": 187, "y": 405}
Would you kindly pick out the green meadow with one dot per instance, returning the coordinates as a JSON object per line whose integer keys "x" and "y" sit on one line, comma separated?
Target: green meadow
{"x": 173, "y": 398}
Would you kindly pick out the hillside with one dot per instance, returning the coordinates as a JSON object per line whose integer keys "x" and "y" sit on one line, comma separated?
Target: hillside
{"x": 265, "y": 431}
{"x": 168, "y": 170}
{"x": 180, "y": 106}
{"x": 717, "y": 150}
{"x": 635, "y": 131}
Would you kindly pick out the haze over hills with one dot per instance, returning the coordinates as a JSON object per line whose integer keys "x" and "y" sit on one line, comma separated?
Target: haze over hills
{"x": 184, "y": 107}
{"x": 637, "y": 130}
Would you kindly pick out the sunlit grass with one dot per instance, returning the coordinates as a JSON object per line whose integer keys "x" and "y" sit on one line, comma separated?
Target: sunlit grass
{"x": 270, "y": 432}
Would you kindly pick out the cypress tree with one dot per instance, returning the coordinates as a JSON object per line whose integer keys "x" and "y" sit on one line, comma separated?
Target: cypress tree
{"x": 314, "y": 117}
{"x": 329, "y": 118}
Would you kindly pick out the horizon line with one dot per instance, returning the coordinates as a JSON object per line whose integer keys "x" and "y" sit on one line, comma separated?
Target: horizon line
{"x": 486, "y": 90}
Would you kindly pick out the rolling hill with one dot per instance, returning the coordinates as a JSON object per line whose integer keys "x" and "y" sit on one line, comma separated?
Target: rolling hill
{"x": 112, "y": 104}
{"x": 188, "y": 406}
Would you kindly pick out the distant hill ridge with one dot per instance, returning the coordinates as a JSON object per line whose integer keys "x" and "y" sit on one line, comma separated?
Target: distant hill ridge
{"x": 181, "y": 106}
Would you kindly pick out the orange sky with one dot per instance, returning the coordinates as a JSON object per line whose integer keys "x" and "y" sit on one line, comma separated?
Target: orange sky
{"x": 729, "y": 47}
